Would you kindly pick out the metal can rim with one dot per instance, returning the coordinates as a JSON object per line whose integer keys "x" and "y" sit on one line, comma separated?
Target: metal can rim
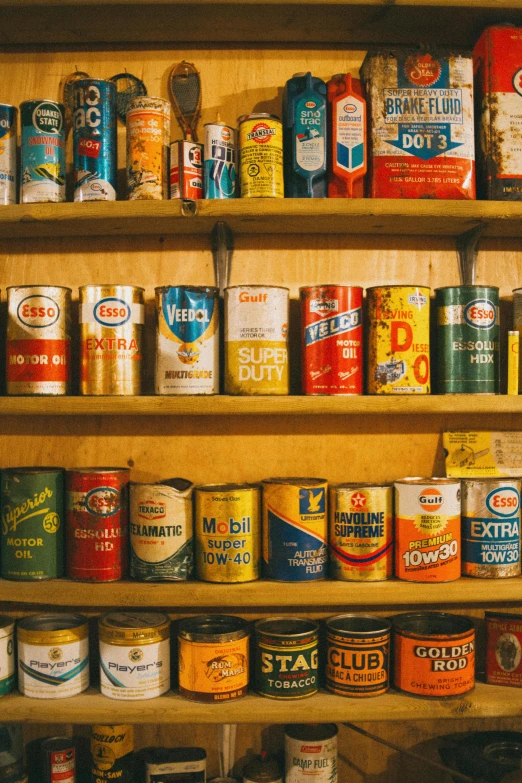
{"x": 331, "y": 285}
{"x": 110, "y": 285}
{"x": 433, "y": 481}
{"x": 91, "y": 79}
{"x": 43, "y": 100}
{"x": 465, "y": 287}
{"x": 8, "y": 106}
{"x": 57, "y": 743}
{"x": 257, "y": 285}
{"x": 263, "y": 115}
{"x": 382, "y": 625}
{"x": 207, "y": 289}
{"x": 330, "y": 731}
{"x": 37, "y": 285}
{"x": 443, "y": 624}
{"x": 29, "y": 630}
{"x": 313, "y": 629}
{"x": 219, "y": 124}
{"x": 295, "y": 481}
{"x": 227, "y": 487}
{"x": 361, "y": 485}
{"x": 122, "y": 636}
{"x": 31, "y": 470}
{"x": 98, "y": 470}
{"x": 239, "y": 629}
{"x": 406, "y": 285}
{"x": 7, "y": 626}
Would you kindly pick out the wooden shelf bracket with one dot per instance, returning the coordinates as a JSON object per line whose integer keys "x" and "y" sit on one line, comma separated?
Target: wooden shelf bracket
{"x": 467, "y": 251}
{"x": 222, "y": 243}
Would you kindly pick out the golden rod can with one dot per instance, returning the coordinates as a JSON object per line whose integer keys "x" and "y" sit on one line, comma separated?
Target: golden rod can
{"x": 399, "y": 339}
{"x": 513, "y": 362}
{"x": 256, "y": 340}
{"x": 228, "y": 532}
{"x": 361, "y": 532}
{"x": 111, "y": 330}
{"x": 261, "y": 156}
{"x": 148, "y": 139}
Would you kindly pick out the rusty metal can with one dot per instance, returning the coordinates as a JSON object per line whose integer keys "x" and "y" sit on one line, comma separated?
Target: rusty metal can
{"x": 58, "y": 757}
{"x": 434, "y": 654}
{"x": 311, "y": 753}
{"x": 148, "y": 138}
{"x": 112, "y": 753}
{"x": 357, "y": 655}
{"x": 399, "y": 339}
{"x": 111, "y": 326}
{"x": 332, "y": 339}
{"x": 503, "y": 649}
{"x": 361, "y": 532}
{"x": 427, "y": 529}
{"x": 38, "y": 349}
{"x": 261, "y": 156}
{"x": 186, "y": 170}
{"x": 97, "y": 513}
{"x": 286, "y": 657}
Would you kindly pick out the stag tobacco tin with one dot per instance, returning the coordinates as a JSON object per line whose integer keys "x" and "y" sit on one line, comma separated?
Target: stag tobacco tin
{"x": 286, "y": 657}
{"x": 503, "y": 649}
{"x": 7, "y": 657}
{"x": 358, "y": 654}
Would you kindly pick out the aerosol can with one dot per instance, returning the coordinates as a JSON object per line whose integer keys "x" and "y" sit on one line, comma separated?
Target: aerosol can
{"x": 304, "y": 137}
{"x": 347, "y": 158}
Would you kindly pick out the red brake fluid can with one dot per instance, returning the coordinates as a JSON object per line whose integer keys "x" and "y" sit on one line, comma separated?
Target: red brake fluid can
{"x": 347, "y": 159}
{"x": 331, "y": 317}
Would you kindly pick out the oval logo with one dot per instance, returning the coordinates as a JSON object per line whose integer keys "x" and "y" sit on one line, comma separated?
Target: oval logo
{"x": 480, "y": 314}
{"x": 112, "y": 311}
{"x": 349, "y": 108}
{"x": 225, "y": 134}
{"x": 310, "y": 104}
{"x": 431, "y": 499}
{"x": 503, "y": 502}
{"x": 422, "y": 70}
{"x": 38, "y": 311}
{"x": 102, "y": 501}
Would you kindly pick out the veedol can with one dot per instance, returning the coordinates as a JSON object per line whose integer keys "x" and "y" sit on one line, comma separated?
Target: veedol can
{"x": 262, "y": 769}
{"x": 186, "y": 170}
{"x": 7, "y": 659}
{"x": 398, "y": 340}
{"x": 33, "y": 514}
{"x": 94, "y": 140}
{"x": 295, "y": 527}
{"x": 134, "y": 655}
{"x": 53, "y": 655}
{"x": 38, "y": 348}
{"x": 468, "y": 339}
{"x": 311, "y": 753}
{"x": 97, "y": 523}
{"x": 286, "y": 657}
{"x": 219, "y": 168}
{"x": 227, "y": 529}
{"x": 148, "y": 139}
{"x": 491, "y": 527}
{"x": 7, "y": 153}
{"x": 261, "y": 156}
{"x": 173, "y": 765}
{"x": 111, "y": 319}
{"x": 503, "y": 649}
{"x": 427, "y": 529}
{"x": 213, "y": 658}
{"x": 361, "y": 532}
{"x": 42, "y": 152}
{"x": 58, "y": 757}
{"x": 11, "y": 753}
{"x": 112, "y": 753}
{"x": 434, "y": 654}
{"x": 421, "y": 122}
{"x": 332, "y": 338}
{"x": 357, "y": 655}
{"x": 161, "y": 531}
{"x": 187, "y": 340}
{"x": 256, "y": 340}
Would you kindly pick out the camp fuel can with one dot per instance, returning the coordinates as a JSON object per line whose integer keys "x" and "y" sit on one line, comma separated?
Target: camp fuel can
{"x": 398, "y": 340}
{"x": 11, "y": 753}
{"x": 97, "y": 523}
{"x": 148, "y": 139}
{"x": 219, "y": 166}
{"x": 38, "y": 348}
{"x": 262, "y": 769}
{"x": 33, "y": 530}
{"x": 8, "y": 166}
{"x": 261, "y": 156}
{"x": 434, "y": 654}
{"x": 491, "y": 527}
{"x": 286, "y": 657}
{"x": 42, "y": 152}
{"x": 7, "y": 659}
{"x": 332, "y": 339}
{"x": 311, "y": 753}
{"x": 357, "y": 655}
{"x": 503, "y": 649}
{"x": 53, "y": 655}
{"x": 305, "y": 137}
{"x": 172, "y": 765}
{"x": 427, "y": 529}
{"x": 468, "y": 339}
{"x": 94, "y": 140}
{"x": 58, "y": 758}
{"x": 347, "y": 157}
{"x": 112, "y": 753}
{"x": 186, "y": 170}
{"x": 213, "y": 658}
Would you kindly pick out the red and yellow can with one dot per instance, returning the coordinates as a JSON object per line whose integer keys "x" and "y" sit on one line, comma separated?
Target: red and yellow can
{"x": 357, "y": 655}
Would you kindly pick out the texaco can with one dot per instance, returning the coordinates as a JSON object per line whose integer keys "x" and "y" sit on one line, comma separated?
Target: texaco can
{"x": 491, "y": 527}
{"x": 95, "y": 140}
{"x": 357, "y": 655}
{"x": 503, "y": 649}
{"x": 427, "y": 529}
{"x": 187, "y": 340}
{"x": 227, "y": 528}
{"x": 286, "y": 657}
{"x": 111, "y": 330}
{"x": 148, "y": 139}
{"x": 399, "y": 340}
{"x": 8, "y": 168}
{"x": 311, "y": 753}
{"x": 261, "y": 156}
{"x": 58, "y": 758}
{"x": 161, "y": 531}
{"x": 7, "y": 658}
{"x": 256, "y": 340}
{"x": 186, "y": 170}
{"x": 38, "y": 349}
{"x": 97, "y": 524}
{"x": 361, "y": 532}
{"x": 112, "y": 753}
{"x": 42, "y": 152}
{"x": 332, "y": 339}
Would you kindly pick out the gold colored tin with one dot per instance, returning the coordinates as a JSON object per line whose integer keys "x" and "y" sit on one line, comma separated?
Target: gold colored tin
{"x": 261, "y": 156}
{"x": 124, "y": 628}
{"x": 52, "y": 629}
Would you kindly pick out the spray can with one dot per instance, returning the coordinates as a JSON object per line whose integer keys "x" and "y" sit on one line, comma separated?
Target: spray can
{"x": 304, "y": 137}
{"x": 348, "y": 153}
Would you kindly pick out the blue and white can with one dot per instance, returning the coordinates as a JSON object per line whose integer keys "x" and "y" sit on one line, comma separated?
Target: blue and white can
{"x": 219, "y": 168}
{"x": 42, "y": 168}
{"x": 7, "y": 153}
{"x": 94, "y": 140}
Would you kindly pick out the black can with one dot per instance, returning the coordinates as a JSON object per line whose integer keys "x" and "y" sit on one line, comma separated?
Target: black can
{"x": 286, "y": 657}
{"x": 58, "y": 755}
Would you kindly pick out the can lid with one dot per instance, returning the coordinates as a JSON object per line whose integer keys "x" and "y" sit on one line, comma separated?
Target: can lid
{"x": 466, "y": 288}
{"x": 406, "y": 285}
{"x": 197, "y": 289}
{"x": 6, "y": 626}
{"x": 57, "y": 743}
{"x": 349, "y": 485}
{"x": 212, "y": 628}
{"x": 123, "y": 628}
{"x": 179, "y": 485}
{"x": 37, "y": 285}
{"x": 311, "y": 731}
{"x": 432, "y": 624}
{"x": 513, "y": 332}
{"x": 435, "y": 480}
{"x": 296, "y": 482}
{"x": 8, "y": 106}
{"x": 227, "y": 487}
{"x": 258, "y": 116}
{"x": 44, "y": 100}
{"x": 31, "y": 471}
{"x": 359, "y": 624}
{"x": 256, "y": 286}
{"x": 96, "y": 286}
{"x": 99, "y": 470}
{"x": 294, "y": 627}
{"x": 52, "y": 628}
{"x": 345, "y": 286}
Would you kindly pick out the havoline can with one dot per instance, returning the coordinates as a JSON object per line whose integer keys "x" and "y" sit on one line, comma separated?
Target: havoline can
{"x": 42, "y": 165}
{"x": 261, "y": 156}
{"x": 468, "y": 339}
{"x": 33, "y": 528}
{"x": 94, "y": 140}
{"x": 311, "y": 753}
{"x": 286, "y": 657}
{"x": 112, "y": 753}
{"x": 357, "y": 655}
{"x": 8, "y": 167}
{"x": 7, "y": 662}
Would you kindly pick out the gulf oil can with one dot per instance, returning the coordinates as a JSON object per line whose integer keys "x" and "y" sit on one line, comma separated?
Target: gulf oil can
{"x": 112, "y": 753}
{"x": 399, "y": 340}
{"x": 38, "y": 348}
{"x": 468, "y": 339}
{"x": 262, "y": 769}
{"x": 295, "y": 529}
{"x": 42, "y": 152}
{"x": 8, "y": 167}
{"x": 357, "y": 655}
{"x": 305, "y": 137}
{"x": 7, "y": 659}
{"x": 261, "y": 156}
{"x": 32, "y": 523}
{"x": 148, "y": 139}
{"x": 186, "y": 170}
{"x": 332, "y": 339}
{"x": 219, "y": 167}
{"x": 94, "y": 140}
{"x": 311, "y": 753}
{"x": 503, "y": 649}
{"x": 58, "y": 756}
{"x": 286, "y": 657}
{"x": 348, "y": 132}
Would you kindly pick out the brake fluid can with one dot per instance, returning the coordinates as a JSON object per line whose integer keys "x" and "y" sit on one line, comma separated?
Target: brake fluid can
{"x": 112, "y": 753}
{"x": 42, "y": 152}
{"x": 305, "y": 137}
{"x": 148, "y": 139}
{"x": 286, "y": 657}
{"x": 219, "y": 168}
{"x": 186, "y": 170}
{"x": 311, "y": 753}
{"x": 347, "y": 160}
{"x": 8, "y": 166}
{"x": 94, "y": 140}
{"x": 261, "y": 156}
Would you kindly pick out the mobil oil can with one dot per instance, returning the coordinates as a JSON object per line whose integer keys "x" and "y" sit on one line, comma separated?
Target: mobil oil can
{"x": 305, "y": 137}
{"x": 347, "y": 156}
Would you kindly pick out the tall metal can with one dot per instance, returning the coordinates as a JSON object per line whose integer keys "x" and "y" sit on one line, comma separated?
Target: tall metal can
{"x": 311, "y": 753}
{"x": 227, "y": 528}
{"x": 148, "y": 139}
{"x": 8, "y": 166}
{"x": 517, "y": 323}
{"x": 42, "y": 152}
{"x": 187, "y": 340}
{"x": 468, "y": 339}
{"x": 112, "y": 753}
{"x": 94, "y": 140}
{"x": 7, "y": 663}
{"x": 261, "y": 156}
{"x": 286, "y": 657}
{"x": 491, "y": 527}
{"x": 32, "y": 523}
{"x": 361, "y": 532}
{"x": 38, "y": 348}
{"x": 256, "y": 340}
{"x": 59, "y": 760}
{"x": 186, "y": 170}
{"x": 398, "y": 339}
{"x": 348, "y": 132}
{"x": 358, "y": 655}
{"x": 97, "y": 512}
{"x": 111, "y": 333}
{"x": 332, "y": 339}
{"x": 295, "y": 528}
{"x": 219, "y": 166}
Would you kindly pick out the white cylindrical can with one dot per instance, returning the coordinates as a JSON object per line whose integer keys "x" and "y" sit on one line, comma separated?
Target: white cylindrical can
{"x": 311, "y": 753}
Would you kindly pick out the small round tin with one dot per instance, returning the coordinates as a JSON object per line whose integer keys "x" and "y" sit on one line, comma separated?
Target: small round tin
{"x": 358, "y": 654}
{"x": 286, "y": 657}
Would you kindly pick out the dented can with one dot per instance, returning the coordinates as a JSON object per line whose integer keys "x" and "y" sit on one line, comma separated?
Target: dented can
{"x": 261, "y": 156}
{"x": 398, "y": 340}
{"x": 7, "y": 660}
{"x": 58, "y": 757}
{"x": 503, "y": 649}
{"x": 112, "y": 753}
{"x": 186, "y": 170}
{"x": 42, "y": 152}
{"x": 148, "y": 138}
{"x": 286, "y": 657}
{"x": 311, "y": 753}
{"x": 357, "y": 655}
{"x": 8, "y": 167}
